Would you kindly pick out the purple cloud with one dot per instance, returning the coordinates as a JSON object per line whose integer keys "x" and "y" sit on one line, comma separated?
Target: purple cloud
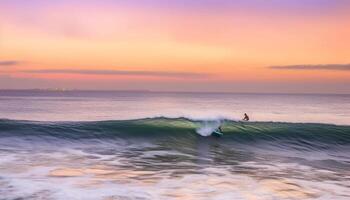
{"x": 8, "y": 62}
{"x": 119, "y": 72}
{"x": 313, "y": 67}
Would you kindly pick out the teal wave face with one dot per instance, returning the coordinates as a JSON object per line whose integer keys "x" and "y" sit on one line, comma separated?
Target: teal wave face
{"x": 240, "y": 132}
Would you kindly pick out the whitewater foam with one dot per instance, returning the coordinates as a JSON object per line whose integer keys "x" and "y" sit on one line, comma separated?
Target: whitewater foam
{"x": 208, "y": 127}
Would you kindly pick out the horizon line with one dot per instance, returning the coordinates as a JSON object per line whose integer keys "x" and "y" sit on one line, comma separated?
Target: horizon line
{"x": 163, "y": 91}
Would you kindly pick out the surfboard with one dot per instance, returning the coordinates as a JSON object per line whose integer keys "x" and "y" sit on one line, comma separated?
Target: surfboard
{"x": 217, "y": 134}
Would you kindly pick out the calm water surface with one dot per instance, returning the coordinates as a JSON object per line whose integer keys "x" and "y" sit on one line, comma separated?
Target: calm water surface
{"x": 96, "y": 106}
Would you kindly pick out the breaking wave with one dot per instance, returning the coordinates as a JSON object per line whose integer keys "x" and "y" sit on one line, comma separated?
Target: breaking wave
{"x": 275, "y": 133}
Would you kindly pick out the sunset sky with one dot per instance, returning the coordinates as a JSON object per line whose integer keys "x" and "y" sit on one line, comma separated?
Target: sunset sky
{"x": 298, "y": 46}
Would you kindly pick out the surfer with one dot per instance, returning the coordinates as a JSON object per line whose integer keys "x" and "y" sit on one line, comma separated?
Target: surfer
{"x": 217, "y": 132}
{"x": 246, "y": 117}
{"x": 219, "y": 129}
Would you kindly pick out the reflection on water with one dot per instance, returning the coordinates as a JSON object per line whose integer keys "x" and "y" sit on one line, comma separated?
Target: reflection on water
{"x": 109, "y": 105}
{"x": 172, "y": 168}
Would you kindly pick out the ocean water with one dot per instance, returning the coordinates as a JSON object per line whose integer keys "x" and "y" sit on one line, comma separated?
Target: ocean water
{"x": 149, "y": 145}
